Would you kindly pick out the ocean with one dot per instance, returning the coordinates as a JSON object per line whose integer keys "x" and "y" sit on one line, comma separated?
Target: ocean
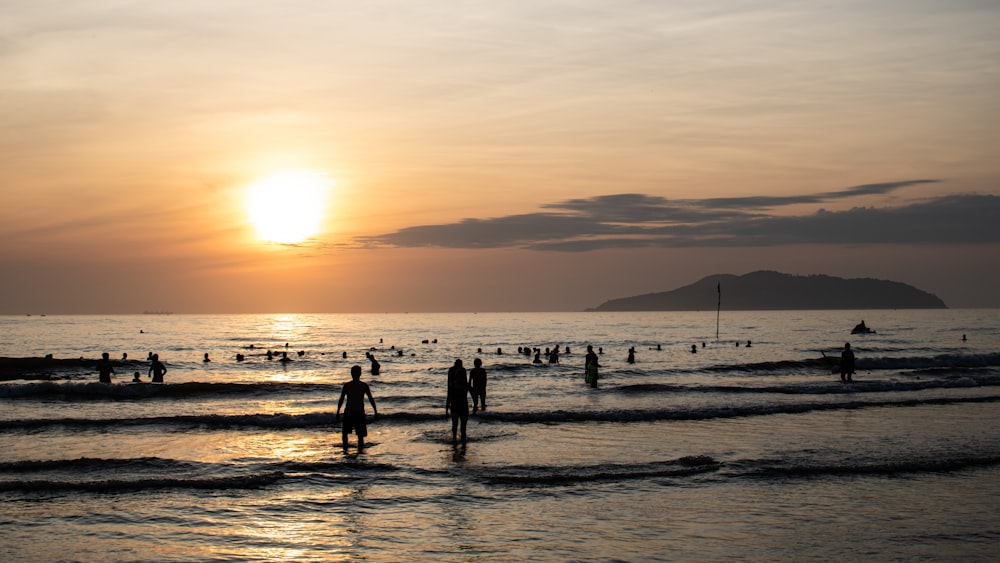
{"x": 724, "y": 451}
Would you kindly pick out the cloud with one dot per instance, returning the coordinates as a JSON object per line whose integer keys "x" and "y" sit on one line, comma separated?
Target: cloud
{"x": 758, "y": 202}
{"x": 637, "y": 220}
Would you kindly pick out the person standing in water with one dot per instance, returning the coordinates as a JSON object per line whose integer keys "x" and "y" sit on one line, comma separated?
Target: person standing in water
{"x": 156, "y": 369}
{"x": 590, "y": 367}
{"x": 847, "y": 364}
{"x": 104, "y": 368}
{"x": 355, "y": 392}
{"x": 376, "y": 367}
{"x": 477, "y": 381}
{"x": 457, "y": 403}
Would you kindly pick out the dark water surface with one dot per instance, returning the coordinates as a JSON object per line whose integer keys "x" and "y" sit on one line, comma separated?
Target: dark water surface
{"x": 732, "y": 452}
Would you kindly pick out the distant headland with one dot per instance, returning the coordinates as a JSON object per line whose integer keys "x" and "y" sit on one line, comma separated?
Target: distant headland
{"x": 767, "y": 290}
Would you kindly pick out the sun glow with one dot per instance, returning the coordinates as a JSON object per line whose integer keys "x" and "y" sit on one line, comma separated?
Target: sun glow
{"x": 288, "y": 207}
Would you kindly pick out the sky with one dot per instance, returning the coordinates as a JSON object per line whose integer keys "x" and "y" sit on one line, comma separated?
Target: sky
{"x": 480, "y": 156}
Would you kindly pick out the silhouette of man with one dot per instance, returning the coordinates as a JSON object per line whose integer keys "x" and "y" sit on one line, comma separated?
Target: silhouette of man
{"x": 477, "y": 381}
{"x": 458, "y": 400}
{"x": 590, "y": 366}
{"x": 104, "y": 368}
{"x": 156, "y": 369}
{"x": 847, "y": 364}
{"x": 355, "y": 392}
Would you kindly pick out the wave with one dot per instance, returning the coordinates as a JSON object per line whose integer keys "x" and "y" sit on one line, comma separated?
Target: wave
{"x": 131, "y": 475}
{"x": 254, "y": 481}
{"x": 145, "y": 464}
{"x": 946, "y": 376}
{"x": 948, "y": 361}
{"x": 947, "y": 379}
{"x": 87, "y": 474}
{"x": 699, "y": 465}
{"x": 327, "y": 420}
{"x": 95, "y": 390}
{"x": 84, "y": 464}
{"x": 536, "y": 475}
{"x": 770, "y": 469}
{"x": 870, "y": 363}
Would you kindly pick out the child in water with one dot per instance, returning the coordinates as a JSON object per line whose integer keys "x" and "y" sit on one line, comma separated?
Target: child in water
{"x": 477, "y": 381}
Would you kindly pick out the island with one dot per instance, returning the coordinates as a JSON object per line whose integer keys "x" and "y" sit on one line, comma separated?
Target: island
{"x": 768, "y": 290}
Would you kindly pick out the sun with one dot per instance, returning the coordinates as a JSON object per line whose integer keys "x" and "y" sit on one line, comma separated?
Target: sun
{"x": 288, "y": 207}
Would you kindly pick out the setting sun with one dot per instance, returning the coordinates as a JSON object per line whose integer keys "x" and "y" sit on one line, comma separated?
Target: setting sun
{"x": 287, "y": 207}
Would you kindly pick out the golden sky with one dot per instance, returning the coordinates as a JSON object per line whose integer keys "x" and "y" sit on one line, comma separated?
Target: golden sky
{"x": 491, "y": 156}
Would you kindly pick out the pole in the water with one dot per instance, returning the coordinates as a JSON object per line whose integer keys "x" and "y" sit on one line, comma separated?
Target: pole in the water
{"x": 718, "y": 310}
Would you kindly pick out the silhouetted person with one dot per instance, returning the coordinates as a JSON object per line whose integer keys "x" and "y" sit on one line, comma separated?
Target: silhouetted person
{"x": 124, "y": 356}
{"x": 538, "y": 358}
{"x": 355, "y": 391}
{"x": 156, "y": 369}
{"x": 963, "y": 338}
{"x": 847, "y": 364}
{"x": 631, "y": 355}
{"x": 748, "y": 343}
{"x": 477, "y": 383}
{"x": 694, "y": 348}
{"x": 590, "y": 367}
{"x": 206, "y": 359}
{"x": 136, "y": 378}
{"x": 284, "y": 358}
{"x": 554, "y": 356}
{"x": 240, "y": 357}
{"x": 104, "y": 368}
{"x": 376, "y": 367}
{"x": 457, "y": 403}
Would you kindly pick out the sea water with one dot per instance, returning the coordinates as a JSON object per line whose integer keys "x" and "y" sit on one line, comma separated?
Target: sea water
{"x": 727, "y": 451}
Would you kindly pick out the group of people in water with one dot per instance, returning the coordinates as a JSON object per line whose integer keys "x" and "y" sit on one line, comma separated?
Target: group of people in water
{"x": 461, "y": 384}
{"x": 156, "y": 368}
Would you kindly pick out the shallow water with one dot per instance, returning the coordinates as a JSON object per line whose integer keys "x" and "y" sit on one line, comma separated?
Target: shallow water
{"x": 731, "y": 452}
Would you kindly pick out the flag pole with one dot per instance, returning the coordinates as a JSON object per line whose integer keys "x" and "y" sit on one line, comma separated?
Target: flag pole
{"x": 718, "y": 310}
